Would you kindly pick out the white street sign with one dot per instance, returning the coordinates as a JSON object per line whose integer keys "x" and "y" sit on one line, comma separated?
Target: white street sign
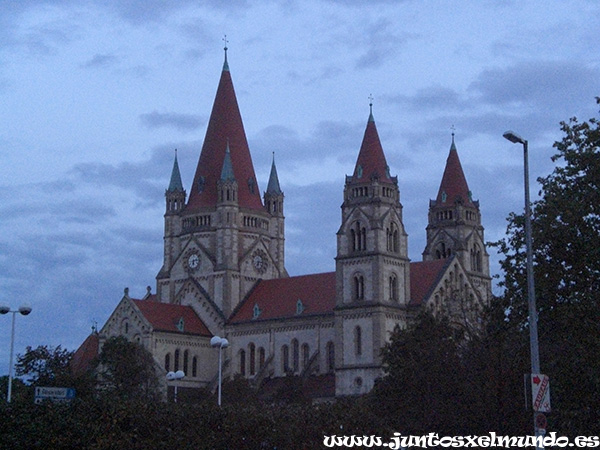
{"x": 540, "y": 392}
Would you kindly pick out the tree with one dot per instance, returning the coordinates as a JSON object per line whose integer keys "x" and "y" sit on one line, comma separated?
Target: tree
{"x": 126, "y": 369}
{"x": 566, "y": 248}
{"x": 424, "y": 386}
{"x": 45, "y": 365}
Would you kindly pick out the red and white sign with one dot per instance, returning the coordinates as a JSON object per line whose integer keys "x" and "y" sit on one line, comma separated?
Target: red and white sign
{"x": 540, "y": 392}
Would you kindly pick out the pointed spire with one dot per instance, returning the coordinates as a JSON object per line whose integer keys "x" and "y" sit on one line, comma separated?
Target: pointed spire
{"x": 175, "y": 183}
{"x": 454, "y": 184}
{"x": 273, "y": 186}
{"x": 227, "y": 170}
{"x": 225, "y": 124}
{"x": 225, "y": 63}
{"x": 371, "y": 118}
{"x": 371, "y": 160}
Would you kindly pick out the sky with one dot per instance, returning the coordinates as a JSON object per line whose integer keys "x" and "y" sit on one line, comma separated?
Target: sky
{"x": 95, "y": 97}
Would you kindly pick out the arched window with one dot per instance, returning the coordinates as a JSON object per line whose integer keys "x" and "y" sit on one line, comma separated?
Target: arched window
{"x": 186, "y": 357}
{"x": 330, "y": 357}
{"x": 393, "y": 287}
{"x": 358, "y": 235}
{"x": 392, "y": 238}
{"x": 359, "y": 287}
{"x": 305, "y": 355}
{"x": 252, "y": 350}
{"x": 358, "y": 341}
{"x": 168, "y": 362}
{"x": 194, "y": 366}
{"x": 295, "y": 354}
{"x": 243, "y": 362}
{"x": 176, "y": 362}
{"x": 285, "y": 358}
{"x": 261, "y": 357}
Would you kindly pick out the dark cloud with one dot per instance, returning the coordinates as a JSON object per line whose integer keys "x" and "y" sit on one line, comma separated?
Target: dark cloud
{"x": 99, "y": 60}
{"x": 538, "y": 84}
{"x": 181, "y": 122}
{"x": 433, "y": 98}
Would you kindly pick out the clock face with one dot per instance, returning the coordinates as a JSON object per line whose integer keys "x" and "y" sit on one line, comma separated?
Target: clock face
{"x": 193, "y": 261}
{"x": 259, "y": 261}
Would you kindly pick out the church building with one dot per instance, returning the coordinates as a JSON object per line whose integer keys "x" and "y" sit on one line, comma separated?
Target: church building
{"x": 224, "y": 271}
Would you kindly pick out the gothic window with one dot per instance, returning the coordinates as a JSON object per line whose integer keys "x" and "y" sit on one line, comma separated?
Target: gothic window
{"x": 194, "y": 366}
{"x": 176, "y": 362}
{"x": 285, "y": 358}
{"x": 305, "y": 355}
{"x": 393, "y": 287}
{"x": 252, "y": 350}
{"x": 358, "y": 235}
{"x": 442, "y": 251}
{"x": 168, "y": 362}
{"x": 261, "y": 357}
{"x": 330, "y": 357}
{"x": 476, "y": 258}
{"x": 359, "y": 287}
{"x": 358, "y": 341}
{"x": 295, "y": 355}
{"x": 186, "y": 357}
{"x": 243, "y": 362}
{"x": 392, "y": 238}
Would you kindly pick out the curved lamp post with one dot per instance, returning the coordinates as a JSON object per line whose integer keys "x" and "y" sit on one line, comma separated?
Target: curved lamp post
{"x": 533, "y": 329}
{"x": 174, "y": 376}
{"x": 219, "y": 343}
{"x": 24, "y": 310}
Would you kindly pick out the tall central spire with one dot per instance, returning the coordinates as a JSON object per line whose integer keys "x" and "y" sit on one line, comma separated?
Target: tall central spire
{"x": 454, "y": 184}
{"x": 225, "y": 126}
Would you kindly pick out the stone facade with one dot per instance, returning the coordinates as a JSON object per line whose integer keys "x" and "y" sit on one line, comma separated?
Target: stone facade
{"x": 224, "y": 269}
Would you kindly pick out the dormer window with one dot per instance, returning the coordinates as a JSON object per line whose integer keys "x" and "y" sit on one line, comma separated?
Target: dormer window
{"x": 251, "y": 184}
{"x": 201, "y": 183}
{"x": 180, "y": 324}
{"x": 359, "y": 171}
{"x": 256, "y": 311}
{"x": 299, "y": 307}
{"x": 444, "y": 196}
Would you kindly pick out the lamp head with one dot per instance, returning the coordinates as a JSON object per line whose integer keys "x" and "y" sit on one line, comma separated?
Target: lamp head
{"x": 513, "y": 137}
{"x": 179, "y": 375}
{"x": 215, "y": 341}
{"x": 170, "y": 376}
{"x": 224, "y": 343}
{"x": 4, "y": 309}
{"x": 25, "y": 309}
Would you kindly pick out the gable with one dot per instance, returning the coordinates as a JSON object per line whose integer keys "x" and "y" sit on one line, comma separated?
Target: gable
{"x": 171, "y": 318}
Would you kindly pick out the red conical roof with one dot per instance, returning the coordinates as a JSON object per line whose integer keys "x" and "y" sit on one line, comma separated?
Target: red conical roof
{"x": 225, "y": 125}
{"x": 454, "y": 184}
{"x": 371, "y": 160}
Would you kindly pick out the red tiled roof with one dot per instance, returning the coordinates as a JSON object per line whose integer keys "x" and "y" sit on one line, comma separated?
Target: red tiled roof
{"x": 225, "y": 125}
{"x": 278, "y": 298}
{"x": 166, "y": 317}
{"x": 454, "y": 183}
{"x": 85, "y": 354}
{"x": 423, "y": 277}
{"x": 371, "y": 158}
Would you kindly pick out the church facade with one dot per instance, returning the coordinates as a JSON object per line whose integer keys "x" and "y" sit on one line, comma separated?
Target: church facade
{"x": 224, "y": 270}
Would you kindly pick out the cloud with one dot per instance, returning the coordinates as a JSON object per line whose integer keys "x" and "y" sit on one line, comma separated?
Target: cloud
{"x": 538, "y": 85}
{"x": 432, "y": 98}
{"x": 181, "y": 122}
{"x": 99, "y": 60}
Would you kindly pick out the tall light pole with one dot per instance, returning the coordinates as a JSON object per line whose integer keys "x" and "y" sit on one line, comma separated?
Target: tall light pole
{"x": 533, "y": 330}
{"x": 24, "y": 310}
{"x": 221, "y": 343}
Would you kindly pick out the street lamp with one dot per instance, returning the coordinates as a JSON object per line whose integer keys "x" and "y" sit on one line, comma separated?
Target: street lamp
{"x": 24, "y": 310}
{"x": 174, "y": 376}
{"x": 533, "y": 330}
{"x": 221, "y": 343}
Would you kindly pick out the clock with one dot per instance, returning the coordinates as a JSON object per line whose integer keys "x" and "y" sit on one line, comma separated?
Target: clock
{"x": 192, "y": 262}
{"x": 259, "y": 261}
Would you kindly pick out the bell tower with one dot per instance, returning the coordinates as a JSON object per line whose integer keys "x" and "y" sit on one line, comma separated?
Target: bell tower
{"x": 454, "y": 225}
{"x": 372, "y": 268}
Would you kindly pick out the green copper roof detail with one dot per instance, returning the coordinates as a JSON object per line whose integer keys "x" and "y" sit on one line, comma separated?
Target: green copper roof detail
{"x": 175, "y": 184}
{"x": 273, "y": 186}
{"x": 227, "y": 171}
{"x": 225, "y": 63}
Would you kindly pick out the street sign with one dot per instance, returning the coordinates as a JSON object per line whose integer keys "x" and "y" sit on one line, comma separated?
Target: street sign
{"x": 540, "y": 392}
{"x": 54, "y": 394}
